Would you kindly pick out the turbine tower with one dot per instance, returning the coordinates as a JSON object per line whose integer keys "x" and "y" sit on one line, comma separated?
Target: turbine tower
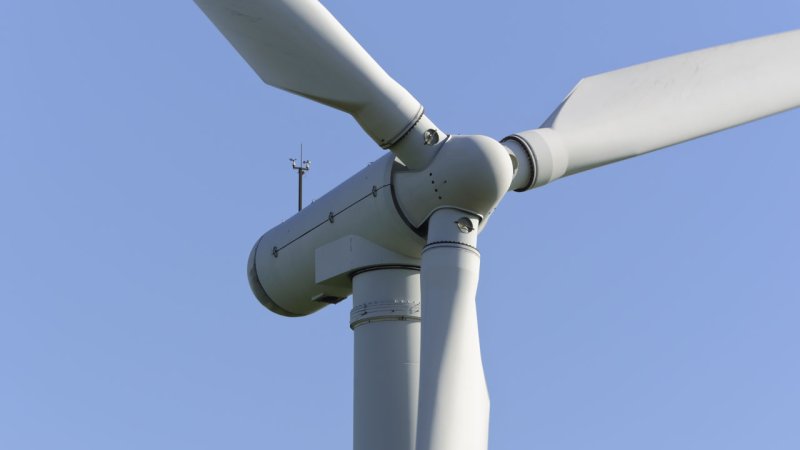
{"x": 401, "y": 236}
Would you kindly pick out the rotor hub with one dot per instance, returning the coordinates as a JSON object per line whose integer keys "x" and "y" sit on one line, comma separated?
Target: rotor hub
{"x": 470, "y": 173}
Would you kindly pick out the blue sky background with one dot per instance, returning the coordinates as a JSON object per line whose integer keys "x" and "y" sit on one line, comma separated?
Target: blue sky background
{"x": 649, "y": 304}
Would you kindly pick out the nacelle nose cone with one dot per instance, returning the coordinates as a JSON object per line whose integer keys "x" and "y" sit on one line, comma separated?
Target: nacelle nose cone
{"x": 471, "y": 173}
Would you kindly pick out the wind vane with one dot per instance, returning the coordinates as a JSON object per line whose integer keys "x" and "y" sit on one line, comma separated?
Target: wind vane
{"x": 302, "y": 168}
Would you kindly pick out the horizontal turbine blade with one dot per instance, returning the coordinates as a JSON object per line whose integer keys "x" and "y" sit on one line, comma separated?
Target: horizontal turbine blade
{"x": 631, "y": 111}
{"x": 298, "y": 46}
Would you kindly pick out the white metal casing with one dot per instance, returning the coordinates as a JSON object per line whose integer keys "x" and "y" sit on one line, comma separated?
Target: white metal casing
{"x": 290, "y": 270}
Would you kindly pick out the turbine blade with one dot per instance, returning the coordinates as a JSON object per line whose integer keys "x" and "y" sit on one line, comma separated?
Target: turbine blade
{"x": 638, "y": 109}
{"x": 453, "y": 399}
{"x": 298, "y": 46}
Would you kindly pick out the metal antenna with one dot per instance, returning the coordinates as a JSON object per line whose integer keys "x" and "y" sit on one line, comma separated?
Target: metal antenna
{"x": 302, "y": 168}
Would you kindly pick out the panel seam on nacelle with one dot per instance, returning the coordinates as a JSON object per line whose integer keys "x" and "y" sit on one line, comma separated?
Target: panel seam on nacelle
{"x": 329, "y": 219}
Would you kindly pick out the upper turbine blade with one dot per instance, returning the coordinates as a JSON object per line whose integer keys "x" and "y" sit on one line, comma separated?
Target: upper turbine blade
{"x": 298, "y": 46}
{"x": 630, "y": 111}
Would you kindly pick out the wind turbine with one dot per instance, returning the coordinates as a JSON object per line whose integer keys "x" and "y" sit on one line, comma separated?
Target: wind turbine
{"x": 401, "y": 235}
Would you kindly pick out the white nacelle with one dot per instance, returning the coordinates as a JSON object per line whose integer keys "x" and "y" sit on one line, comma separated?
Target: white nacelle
{"x": 307, "y": 262}
{"x": 376, "y": 218}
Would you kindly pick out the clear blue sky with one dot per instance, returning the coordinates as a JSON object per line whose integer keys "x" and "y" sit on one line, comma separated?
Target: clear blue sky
{"x": 652, "y": 304}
